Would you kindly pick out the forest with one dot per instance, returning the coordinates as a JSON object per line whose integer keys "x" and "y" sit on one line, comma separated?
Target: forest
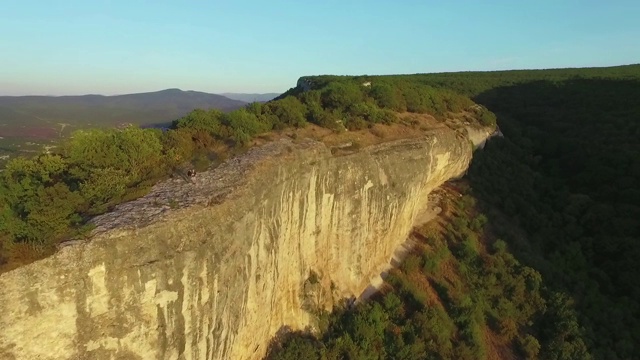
{"x": 560, "y": 194}
{"x": 50, "y": 198}
{"x": 568, "y": 173}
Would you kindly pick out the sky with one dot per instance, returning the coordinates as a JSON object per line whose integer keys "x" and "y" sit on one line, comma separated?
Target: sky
{"x": 65, "y": 47}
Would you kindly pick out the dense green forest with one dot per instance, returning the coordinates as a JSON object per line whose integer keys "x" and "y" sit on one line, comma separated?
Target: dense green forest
{"x": 568, "y": 172}
{"x": 51, "y": 197}
{"x": 474, "y": 83}
{"x": 562, "y": 191}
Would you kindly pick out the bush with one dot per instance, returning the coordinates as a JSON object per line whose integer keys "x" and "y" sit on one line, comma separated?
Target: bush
{"x": 477, "y": 224}
{"x": 201, "y": 162}
{"x": 341, "y": 95}
{"x": 177, "y": 146}
{"x": 356, "y": 123}
{"x": 203, "y": 120}
{"x": 289, "y": 111}
{"x": 411, "y": 264}
{"x": 244, "y": 124}
{"x": 388, "y": 97}
{"x": 487, "y": 118}
{"x": 529, "y": 347}
{"x": 298, "y": 347}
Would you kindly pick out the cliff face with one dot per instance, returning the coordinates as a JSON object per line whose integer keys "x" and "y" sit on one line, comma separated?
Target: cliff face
{"x": 264, "y": 240}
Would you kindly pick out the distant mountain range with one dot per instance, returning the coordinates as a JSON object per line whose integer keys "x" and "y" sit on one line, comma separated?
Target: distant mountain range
{"x": 97, "y": 110}
{"x": 28, "y": 122}
{"x": 251, "y": 97}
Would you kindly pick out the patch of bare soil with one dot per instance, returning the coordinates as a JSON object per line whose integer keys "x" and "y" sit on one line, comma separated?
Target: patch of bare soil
{"x": 496, "y": 347}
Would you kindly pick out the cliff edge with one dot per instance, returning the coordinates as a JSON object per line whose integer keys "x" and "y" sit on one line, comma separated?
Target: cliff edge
{"x": 245, "y": 250}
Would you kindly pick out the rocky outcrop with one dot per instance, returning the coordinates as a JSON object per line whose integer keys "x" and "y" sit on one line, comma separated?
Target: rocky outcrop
{"x": 480, "y": 135}
{"x": 253, "y": 246}
{"x": 305, "y": 84}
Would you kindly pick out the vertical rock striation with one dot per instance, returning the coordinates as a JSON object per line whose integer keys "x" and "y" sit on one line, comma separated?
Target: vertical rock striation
{"x": 265, "y": 239}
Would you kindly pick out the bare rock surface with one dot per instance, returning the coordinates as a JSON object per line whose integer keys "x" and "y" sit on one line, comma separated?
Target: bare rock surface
{"x": 206, "y": 188}
{"x": 215, "y": 268}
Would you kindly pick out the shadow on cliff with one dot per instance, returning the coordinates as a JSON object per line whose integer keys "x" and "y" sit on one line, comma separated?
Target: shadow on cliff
{"x": 306, "y": 341}
{"x": 562, "y": 188}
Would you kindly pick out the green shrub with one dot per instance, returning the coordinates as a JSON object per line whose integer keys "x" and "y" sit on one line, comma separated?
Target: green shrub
{"x": 388, "y": 97}
{"x": 356, "y": 123}
{"x": 288, "y": 111}
{"x": 529, "y": 346}
{"x": 341, "y": 95}
{"x": 411, "y": 264}
{"x": 478, "y": 223}
{"x": 201, "y": 120}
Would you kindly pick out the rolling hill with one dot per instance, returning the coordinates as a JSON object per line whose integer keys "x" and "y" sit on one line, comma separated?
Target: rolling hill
{"x": 28, "y": 122}
{"x": 251, "y": 97}
{"x": 97, "y": 110}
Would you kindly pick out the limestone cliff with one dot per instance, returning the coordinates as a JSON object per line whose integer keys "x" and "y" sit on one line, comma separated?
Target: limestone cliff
{"x": 215, "y": 273}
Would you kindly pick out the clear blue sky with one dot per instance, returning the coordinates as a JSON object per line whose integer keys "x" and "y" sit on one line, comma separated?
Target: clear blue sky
{"x": 57, "y": 47}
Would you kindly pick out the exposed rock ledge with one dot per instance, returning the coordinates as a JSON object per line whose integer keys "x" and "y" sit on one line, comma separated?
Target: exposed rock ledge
{"x": 218, "y": 271}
